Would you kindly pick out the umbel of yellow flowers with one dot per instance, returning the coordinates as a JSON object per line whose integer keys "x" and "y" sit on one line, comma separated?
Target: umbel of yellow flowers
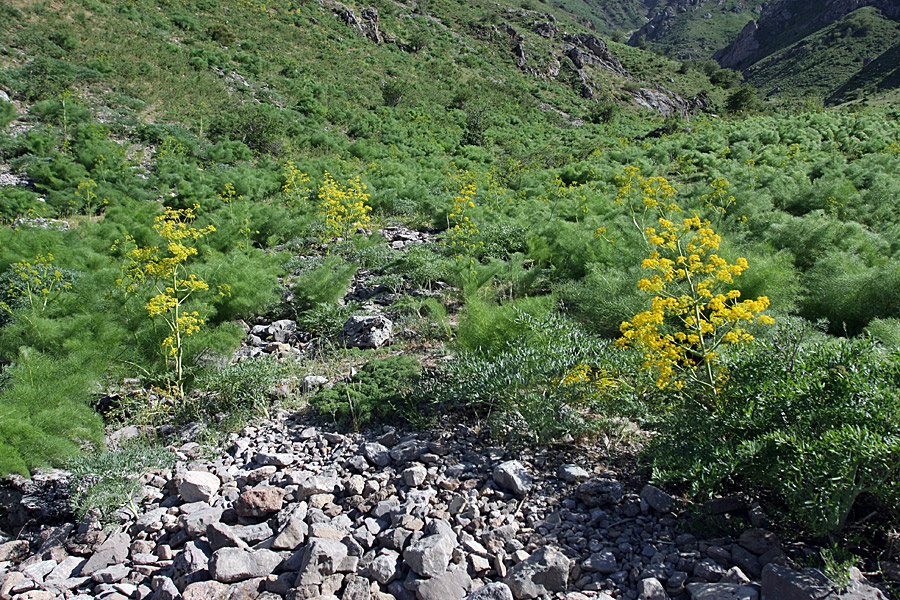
{"x": 694, "y": 311}
{"x": 164, "y": 268}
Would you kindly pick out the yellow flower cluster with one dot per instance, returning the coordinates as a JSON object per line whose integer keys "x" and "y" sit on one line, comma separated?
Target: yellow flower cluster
{"x": 462, "y": 232}
{"x": 164, "y": 267}
{"x": 592, "y": 382}
{"x": 655, "y": 192}
{"x": 719, "y": 199}
{"x": 36, "y": 281}
{"x": 228, "y": 194}
{"x": 295, "y": 187}
{"x": 694, "y": 312}
{"x": 344, "y": 208}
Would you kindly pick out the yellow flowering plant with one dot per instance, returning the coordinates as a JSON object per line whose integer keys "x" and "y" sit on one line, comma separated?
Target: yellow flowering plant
{"x": 344, "y": 208}
{"x": 694, "y": 311}
{"x": 462, "y": 232}
{"x": 163, "y": 269}
{"x": 34, "y": 283}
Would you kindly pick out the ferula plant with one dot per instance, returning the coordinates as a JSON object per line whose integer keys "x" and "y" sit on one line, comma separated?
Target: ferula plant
{"x": 344, "y": 208}
{"x": 694, "y": 310}
{"x": 164, "y": 269}
{"x": 462, "y": 232}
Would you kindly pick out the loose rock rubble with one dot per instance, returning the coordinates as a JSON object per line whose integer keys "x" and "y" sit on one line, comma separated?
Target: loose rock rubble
{"x": 293, "y": 512}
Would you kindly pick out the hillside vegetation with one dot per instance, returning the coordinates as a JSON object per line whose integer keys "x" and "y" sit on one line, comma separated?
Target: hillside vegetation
{"x": 617, "y": 248}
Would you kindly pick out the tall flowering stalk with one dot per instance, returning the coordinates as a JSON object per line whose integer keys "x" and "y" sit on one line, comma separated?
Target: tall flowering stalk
{"x": 694, "y": 311}
{"x": 164, "y": 268}
{"x": 462, "y": 232}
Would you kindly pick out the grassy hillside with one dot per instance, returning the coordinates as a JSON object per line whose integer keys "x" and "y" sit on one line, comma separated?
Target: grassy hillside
{"x": 823, "y": 63}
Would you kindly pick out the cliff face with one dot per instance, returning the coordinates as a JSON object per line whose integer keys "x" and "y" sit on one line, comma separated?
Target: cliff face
{"x": 787, "y": 21}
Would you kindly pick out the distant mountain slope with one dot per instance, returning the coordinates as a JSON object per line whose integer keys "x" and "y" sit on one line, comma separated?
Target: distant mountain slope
{"x": 610, "y": 17}
{"x": 695, "y": 28}
{"x": 879, "y": 75}
{"x": 783, "y": 23}
{"x": 824, "y": 62}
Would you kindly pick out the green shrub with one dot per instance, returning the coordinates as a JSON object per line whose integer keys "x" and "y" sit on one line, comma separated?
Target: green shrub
{"x": 812, "y": 427}
{"x": 7, "y": 113}
{"x": 324, "y": 284}
{"x": 242, "y": 387}
{"x": 426, "y": 316}
{"x": 550, "y": 381}
{"x": 45, "y": 415}
{"x": 107, "y": 483}
{"x": 486, "y": 326}
{"x": 378, "y": 393}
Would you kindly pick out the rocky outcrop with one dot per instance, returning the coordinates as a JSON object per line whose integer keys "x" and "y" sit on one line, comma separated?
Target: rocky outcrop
{"x": 668, "y": 103}
{"x": 586, "y": 48}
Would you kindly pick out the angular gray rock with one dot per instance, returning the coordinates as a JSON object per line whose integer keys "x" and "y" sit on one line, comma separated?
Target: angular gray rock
{"x": 113, "y": 551}
{"x": 229, "y": 565}
{"x": 492, "y": 591}
{"x": 652, "y": 589}
{"x": 657, "y": 499}
{"x": 545, "y": 571}
{"x": 367, "y": 331}
{"x": 376, "y": 454}
{"x": 322, "y": 557}
{"x": 810, "y": 584}
{"x": 572, "y": 473}
{"x": 451, "y": 585}
{"x": 513, "y": 476}
{"x": 384, "y": 567}
{"x": 197, "y": 486}
{"x": 721, "y": 591}
{"x": 430, "y": 556}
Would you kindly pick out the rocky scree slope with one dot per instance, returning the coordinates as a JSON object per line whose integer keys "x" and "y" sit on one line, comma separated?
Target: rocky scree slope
{"x": 293, "y": 511}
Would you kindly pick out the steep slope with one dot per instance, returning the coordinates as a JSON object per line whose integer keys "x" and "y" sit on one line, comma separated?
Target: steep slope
{"x": 695, "y": 28}
{"x": 879, "y": 75}
{"x": 822, "y": 63}
{"x": 788, "y": 21}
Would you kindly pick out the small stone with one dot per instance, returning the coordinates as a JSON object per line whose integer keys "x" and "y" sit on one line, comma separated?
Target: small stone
{"x": 652, "y": 589}
{"x": 572, "y": 473}
{"x": 111, "y": 574}
{"x": 275, "y": 459}
{"x": 414, "y": 476}
{"x": 513, "y": 476}
{"x": 259, "y": 502}
{"x": 197, "y": 486}
{"x": 657, "y": 499}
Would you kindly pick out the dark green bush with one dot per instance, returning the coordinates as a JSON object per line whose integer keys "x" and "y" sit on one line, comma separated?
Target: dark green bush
{"x": 378, "y": 393}
{"x": 812, "y": 427}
